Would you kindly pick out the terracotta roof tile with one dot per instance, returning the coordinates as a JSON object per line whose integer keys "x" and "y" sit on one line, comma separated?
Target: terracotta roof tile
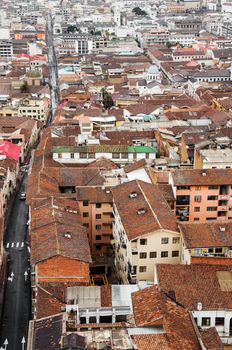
{"x": 211, "y": 339}
{"x": 152, "y": 307}
{"x": 204, "y": 235}
{"x": 196, "y": 177}
{"x": 147, "y": 198}
{"x": 47, "y": 304}
{"x": 201, "y": 284}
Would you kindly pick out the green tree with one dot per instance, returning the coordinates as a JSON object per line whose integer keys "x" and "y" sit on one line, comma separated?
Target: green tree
{"x": 24, "y": 87}
{"x": 139, "y": 12}
{"x": 72, "y": 29}
{"x": 107, "y": 99}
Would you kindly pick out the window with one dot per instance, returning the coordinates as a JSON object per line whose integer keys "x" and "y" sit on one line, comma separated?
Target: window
{"x": 143, "y": 241}
{"x": 212, "y": 198}
{"x": 98, "y": 237}
{"x": 91, "y": 155}
{"x": 219, "y": 321}
{"x": 134, "y": 253}
{"x": 205, "y": 321}
{"x": 142, "y": 268}
{"x": 211, "y": 219}
{"x": 164, "y": 254}
{"x": 164, "y": 240}
{"x": 183, "y": 187}
{"x": 98, "y": 205}
{"x": 197, "y": 199}
{"x": 83, "y": 155}
{"x": 176, "y": 240}
{"x": 196, "y": 219}
{"x": 218, "y": 250}
{"x": 196, "y": 209}
{"x": 98, "y": 216}
{"x": 86, "y": 225}
{"x": 98, "y": 227}
{"x": 85, "y": 215}
{"x": 197, "y": 188}
{"x": 211, "y": 208}
{"x": 85, "y": 203}
{"x": 115, "y": 155}
{"x": 182, "y": 200}
{"x": 124, "y": 155}
{"x": 153, "y": 255}
{"x": 143, "y": 255}
{"x": 213, "y": 187}
{"x": 98, "y": 246}
{"x": 72, "y": 155}
{"x": 175, "y": 253}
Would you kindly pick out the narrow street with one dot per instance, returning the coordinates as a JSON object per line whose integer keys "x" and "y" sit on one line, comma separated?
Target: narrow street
{"x": 17, "y": 305}
{"x": 52, "y": 60}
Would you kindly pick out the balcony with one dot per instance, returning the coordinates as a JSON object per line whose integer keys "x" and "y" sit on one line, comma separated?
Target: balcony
{"x": 223, "y": 208}
{"x": 223, "y": 197}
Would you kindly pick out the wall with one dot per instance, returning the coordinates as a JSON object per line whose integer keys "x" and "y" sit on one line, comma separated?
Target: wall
{"x": 105, "y": 221}
{"x": 210, "y": 260}
{"x": 204, "y": 192}
{"x": 124, "y": 249}
{"x": 62, "y": 269}
{"x": 223, "y": 331}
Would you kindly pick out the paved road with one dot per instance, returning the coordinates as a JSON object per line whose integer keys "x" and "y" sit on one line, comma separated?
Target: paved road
{"x": 52, "y": 60}
{"x": 17, "y": 305}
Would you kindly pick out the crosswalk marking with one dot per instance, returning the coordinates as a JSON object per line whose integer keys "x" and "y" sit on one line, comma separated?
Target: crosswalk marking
{"x": 15, "y": 245}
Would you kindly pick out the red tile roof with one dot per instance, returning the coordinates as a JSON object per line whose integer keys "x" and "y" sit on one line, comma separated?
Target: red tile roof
{"x": 196, "y": 177}
{"x": 204, "y": 235}
{"x": 148, "y": 198}
{"x": 197, "y": 283}
{"x": 152, "y": 307}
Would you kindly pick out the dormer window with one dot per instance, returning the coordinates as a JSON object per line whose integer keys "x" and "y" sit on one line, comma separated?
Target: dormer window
{"x": 141, "y": 211}
{"x": 133, "y": 194}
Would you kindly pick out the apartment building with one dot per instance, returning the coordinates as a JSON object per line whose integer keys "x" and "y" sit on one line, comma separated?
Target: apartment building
{"x": 145, "y": 231}
{"x": 6, "y": 49}
{"x": 96, "y": 209}
{"x": 35, "y": 108}
{"x": 120, "y": 154}
{"x": 154, "y": 37}
{"x": 203, "y": 195}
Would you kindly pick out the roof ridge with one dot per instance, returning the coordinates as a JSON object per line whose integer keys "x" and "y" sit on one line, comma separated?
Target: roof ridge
{"x": 145, "y": 197}
{"x": 57, "y": 240}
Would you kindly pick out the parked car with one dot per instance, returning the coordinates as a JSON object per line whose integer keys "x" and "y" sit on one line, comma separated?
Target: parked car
{"x": 23, "y": 196}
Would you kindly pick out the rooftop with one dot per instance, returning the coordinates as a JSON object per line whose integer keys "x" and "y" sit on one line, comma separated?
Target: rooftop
{"x": 210, "y": 285}
{"x": 202, "y": 177}
{"x": 146, "y": 205}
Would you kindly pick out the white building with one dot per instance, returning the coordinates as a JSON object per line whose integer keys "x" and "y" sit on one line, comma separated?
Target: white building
{"x": 145, "y": 231}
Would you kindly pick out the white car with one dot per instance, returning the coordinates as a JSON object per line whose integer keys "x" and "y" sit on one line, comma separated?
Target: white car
{"x": 23, "y": 196}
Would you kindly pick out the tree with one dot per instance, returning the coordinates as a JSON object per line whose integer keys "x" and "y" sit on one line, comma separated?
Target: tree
{"x": 72, "y": 29}
{"x": 107, "y": 99}
{"x": 168, "y": 44}
{"x": 24, "y": 87}
{"x": 139, "y": 12}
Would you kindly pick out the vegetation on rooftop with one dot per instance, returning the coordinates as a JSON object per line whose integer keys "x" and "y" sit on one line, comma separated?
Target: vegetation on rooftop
{"x": 139, "y": 12}
{"x": 24, "y": 88}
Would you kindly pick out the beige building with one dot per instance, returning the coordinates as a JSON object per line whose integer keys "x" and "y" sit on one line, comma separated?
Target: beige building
{"x": 145, "y": 231}
{"x": 35, "y": 108}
